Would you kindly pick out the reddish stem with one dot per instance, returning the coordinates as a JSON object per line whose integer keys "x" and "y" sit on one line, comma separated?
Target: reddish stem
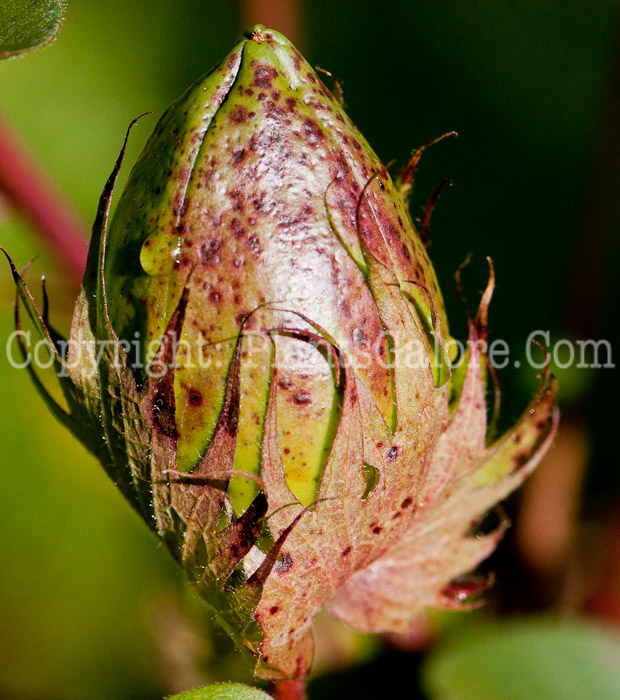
{"x": 31, "y": 191}
{"x": 289, "y": 690}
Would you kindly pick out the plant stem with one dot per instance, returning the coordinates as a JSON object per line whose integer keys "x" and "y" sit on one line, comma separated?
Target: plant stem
{"x": 289, "y": 690}
{"x": 30, "y": 190}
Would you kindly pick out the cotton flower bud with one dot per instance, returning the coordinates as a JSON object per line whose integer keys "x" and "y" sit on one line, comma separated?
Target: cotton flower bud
{"x": 274, "y": 394}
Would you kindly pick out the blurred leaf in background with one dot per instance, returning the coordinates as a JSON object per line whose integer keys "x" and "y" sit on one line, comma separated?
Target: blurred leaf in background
{"x": 522, "y": 659}
{"x": 88, "y": 603}
{"x": 232, "y": 691}
{"x": 27, "y": 25}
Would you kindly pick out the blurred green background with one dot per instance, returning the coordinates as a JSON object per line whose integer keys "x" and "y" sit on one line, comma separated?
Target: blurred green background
{"x": 90, "y": 605}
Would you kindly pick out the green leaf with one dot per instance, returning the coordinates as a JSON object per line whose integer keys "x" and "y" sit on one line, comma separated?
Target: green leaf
{"x": 528, "y": 658}
{"x": 28, "y": 24}
{"x": 223, "y": 691}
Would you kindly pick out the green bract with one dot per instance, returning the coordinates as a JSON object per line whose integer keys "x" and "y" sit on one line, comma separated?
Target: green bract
{"x": 259, "y": 359}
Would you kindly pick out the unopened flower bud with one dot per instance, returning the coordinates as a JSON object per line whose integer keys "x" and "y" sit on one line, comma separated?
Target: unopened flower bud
{"x": 284, "y": 413}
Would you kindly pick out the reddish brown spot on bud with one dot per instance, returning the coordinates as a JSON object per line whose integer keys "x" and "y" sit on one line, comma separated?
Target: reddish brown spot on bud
{"x": 302, "y": 397}
{"x": 239, "y": 114}
{"x": 194, "y": 397}
{"x": 255, "y": 246}
{"x": 359, "y": 336}
{"x": 237, "y": 228}
{"x": 263, "y": 75}
{"x": 238, "y": 155}
{"x": 520, "y": 459}
{"x": 312, "y": 132}
{"x": 210, "y": 251}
